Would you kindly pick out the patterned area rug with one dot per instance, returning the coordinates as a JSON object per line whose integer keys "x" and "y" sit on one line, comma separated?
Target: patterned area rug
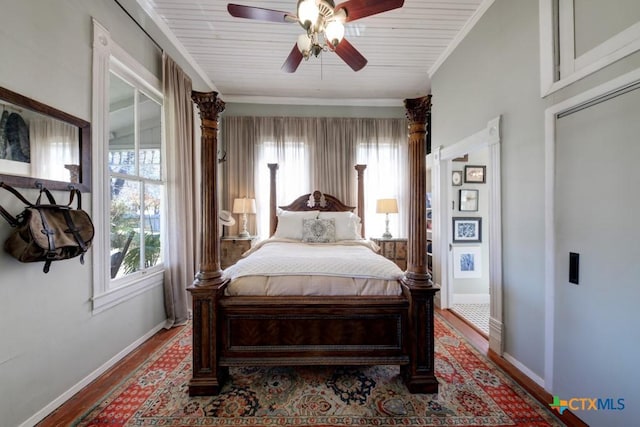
{"x": 473, "y": 391}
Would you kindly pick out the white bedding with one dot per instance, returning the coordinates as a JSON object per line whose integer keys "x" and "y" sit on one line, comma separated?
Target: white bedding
{"x": 342, "y": 268}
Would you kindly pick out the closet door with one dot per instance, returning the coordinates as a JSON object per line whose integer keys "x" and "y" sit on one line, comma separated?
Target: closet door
{"x": 597, "y": 217}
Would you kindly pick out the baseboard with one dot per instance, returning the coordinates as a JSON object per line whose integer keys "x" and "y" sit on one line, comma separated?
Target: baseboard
{"x": 471, "y": 298}
{"x": 528, "y": 372}
{"x": 41, "y": 414}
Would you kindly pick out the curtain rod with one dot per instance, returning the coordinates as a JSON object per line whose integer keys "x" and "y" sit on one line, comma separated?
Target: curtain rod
{"x": 140, "y": 26}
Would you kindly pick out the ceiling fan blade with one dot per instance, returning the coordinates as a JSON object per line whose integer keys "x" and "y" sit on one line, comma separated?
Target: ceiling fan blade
{"x": 293, "y": 60}
{"x": 357, "y": 9}
{"x": 350, "y": 55}
{"x": 259, "y": 13}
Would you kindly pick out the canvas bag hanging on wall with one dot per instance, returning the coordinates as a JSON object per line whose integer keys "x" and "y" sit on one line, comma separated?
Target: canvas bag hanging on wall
{"x": 47, "y": 231}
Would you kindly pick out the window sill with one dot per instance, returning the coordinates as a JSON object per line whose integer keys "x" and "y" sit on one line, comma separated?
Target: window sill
{"x": 127, "y": 289}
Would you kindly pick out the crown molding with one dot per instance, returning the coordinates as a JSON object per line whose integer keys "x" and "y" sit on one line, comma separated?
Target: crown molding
{"x": 468, "y": 26}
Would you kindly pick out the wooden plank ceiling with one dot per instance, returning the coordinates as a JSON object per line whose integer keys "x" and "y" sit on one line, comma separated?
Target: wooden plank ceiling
{"x": 243, "y": 57}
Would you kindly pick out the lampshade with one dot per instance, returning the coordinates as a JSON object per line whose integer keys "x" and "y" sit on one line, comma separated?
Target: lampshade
{"x": 244, "y": 206}
{"x": 334, "y": 32}
{"x": 304, "y": 44}
{"x": 308, "y": 12}
{"x": 386, "y": 206}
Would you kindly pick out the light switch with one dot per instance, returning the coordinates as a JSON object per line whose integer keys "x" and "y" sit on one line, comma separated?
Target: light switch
{"x": 574, "y": 267}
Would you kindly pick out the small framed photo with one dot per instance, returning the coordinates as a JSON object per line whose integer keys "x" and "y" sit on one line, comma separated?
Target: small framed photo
{"x": 467, "y": 262}
{"x": 468, "y": 200}
{"x": 467, "y": 230}
{"x": 474, "y": 174}
{"x": 456, "y": 178}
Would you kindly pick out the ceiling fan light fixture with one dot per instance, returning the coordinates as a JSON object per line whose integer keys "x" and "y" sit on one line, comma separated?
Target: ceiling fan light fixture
{"x": 334, "y": 32}
{"x": 304, "y": 45}
{"x": 308, "y": 13}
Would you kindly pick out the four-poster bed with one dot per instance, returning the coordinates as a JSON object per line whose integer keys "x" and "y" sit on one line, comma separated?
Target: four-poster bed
{"x": 312, "y": 330}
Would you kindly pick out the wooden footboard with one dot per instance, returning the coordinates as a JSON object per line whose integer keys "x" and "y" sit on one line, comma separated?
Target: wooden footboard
{"x": 313, "y": 330}
{"x": 289, "y": 331}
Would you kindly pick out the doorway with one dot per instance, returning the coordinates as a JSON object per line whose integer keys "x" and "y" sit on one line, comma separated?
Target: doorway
{"x": 467, "y": 230}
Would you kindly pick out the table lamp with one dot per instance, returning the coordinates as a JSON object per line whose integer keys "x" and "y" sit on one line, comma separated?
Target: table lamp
{"x": 386, "y": 206}
{"x": 244, "y": 206}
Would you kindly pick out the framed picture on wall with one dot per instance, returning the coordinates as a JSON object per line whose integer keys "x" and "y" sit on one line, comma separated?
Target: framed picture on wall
{"x": 467, "y": 230}
{"x": 456, "y": 178}
{"x": 467, "y": 262}
{"x": 468, "y": 200}
{"x": 474, "y": 174}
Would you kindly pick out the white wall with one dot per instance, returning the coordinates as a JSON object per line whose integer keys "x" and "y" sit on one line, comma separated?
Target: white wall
{"x": 496, "y": 71}
{"x": 50, "y": 339}
{"x": 473, "y": 286}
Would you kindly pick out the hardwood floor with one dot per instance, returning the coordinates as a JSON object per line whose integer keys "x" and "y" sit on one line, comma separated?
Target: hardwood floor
{"x": 86, "y": 398}
{"x": 480, "y": 342}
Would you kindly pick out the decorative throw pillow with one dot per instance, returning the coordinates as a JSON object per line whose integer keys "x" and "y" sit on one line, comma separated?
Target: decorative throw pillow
{"x": 318, "y": 230}
{"x": 347, "y": 224}
{"x": 290, "y": 223}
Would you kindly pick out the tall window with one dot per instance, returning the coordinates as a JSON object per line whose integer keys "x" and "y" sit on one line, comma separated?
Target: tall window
{"x": 135, "y": 179}
{"x": 128, "y": 175}
{"x": 293, "y": 176}
{"x": 385, "y": 178}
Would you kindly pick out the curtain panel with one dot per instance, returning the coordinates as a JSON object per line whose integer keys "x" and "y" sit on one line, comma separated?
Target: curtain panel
{"x": 181, "y": 204}
{"x": 314, "y": 153}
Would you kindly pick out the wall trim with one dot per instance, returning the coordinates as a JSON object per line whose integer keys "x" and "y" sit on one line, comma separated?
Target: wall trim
{"x": 551, "y": 115}
{"x": 466, "y": 29}
{"x": 57, "y": 402}
{"x": 522, "y": 368}
{"x": 489, "y": 137}
{"x": 573, "y": 69}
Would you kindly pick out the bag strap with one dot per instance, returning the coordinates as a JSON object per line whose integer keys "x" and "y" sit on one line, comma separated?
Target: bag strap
{"x": 46, "y": 191}
{"x": 13, "y": 222}
{"x": 74, "y": 230}
{"x": 74, "y": 192}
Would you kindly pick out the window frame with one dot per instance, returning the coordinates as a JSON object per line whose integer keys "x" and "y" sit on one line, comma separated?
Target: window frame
{"x": 109, "y": 57}
{"x": 559, "y": 66}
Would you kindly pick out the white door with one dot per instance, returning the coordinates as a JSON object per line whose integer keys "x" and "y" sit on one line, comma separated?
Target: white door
{"x": 597, "y": 202}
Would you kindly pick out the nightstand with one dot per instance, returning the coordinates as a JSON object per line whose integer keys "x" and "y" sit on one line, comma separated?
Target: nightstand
{"x": 394, "y": 249}
{"x": 232, "y": 248}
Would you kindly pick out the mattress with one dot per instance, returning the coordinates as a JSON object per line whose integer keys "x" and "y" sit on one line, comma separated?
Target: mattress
{"x": 282, "y": 267}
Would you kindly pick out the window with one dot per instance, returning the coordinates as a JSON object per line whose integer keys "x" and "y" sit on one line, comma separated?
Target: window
{"x": 386, "y": 176}
{"x": 293, "y": 176}
{"x": 135, "y": 177}
{"x": 128, "y": 190}
{"x": 571, "y": 47}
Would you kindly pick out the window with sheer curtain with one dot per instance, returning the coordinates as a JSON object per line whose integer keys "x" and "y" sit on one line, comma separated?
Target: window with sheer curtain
{"x": 385, "y": 178}
{"x": 54, "y": 144}
{"x": 316, "y": 154}
{"x": 293, "y": 176}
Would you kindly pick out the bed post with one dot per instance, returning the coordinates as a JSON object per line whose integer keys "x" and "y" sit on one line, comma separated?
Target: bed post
{"x": 360, "y": 205}
{"x": 273, "y": 218}
{"x": 419, "y": 375}
{"x": 207, "y": 375}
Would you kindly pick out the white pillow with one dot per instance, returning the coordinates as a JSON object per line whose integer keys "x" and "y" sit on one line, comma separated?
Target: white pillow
{"x": 318, "y": 230}
{"x": 347, "y": 224}
{"x": 290, "y": 224}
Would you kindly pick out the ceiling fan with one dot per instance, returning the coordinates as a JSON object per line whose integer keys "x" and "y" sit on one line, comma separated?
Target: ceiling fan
{"x": 324, "y": 25}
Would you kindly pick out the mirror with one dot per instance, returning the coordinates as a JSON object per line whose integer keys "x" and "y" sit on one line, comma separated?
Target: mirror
{"x": 40, "y": 144}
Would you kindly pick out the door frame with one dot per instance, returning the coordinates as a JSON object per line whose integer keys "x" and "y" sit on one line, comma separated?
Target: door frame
{"x": 489, "y": 137}
{"x": 585, "y": 99}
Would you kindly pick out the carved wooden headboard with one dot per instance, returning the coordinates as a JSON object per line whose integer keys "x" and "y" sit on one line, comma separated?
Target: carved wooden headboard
{"x": 315, "y": 201}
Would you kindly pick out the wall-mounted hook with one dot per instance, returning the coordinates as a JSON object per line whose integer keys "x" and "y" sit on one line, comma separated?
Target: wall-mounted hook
{"x": 224, "y": 156}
